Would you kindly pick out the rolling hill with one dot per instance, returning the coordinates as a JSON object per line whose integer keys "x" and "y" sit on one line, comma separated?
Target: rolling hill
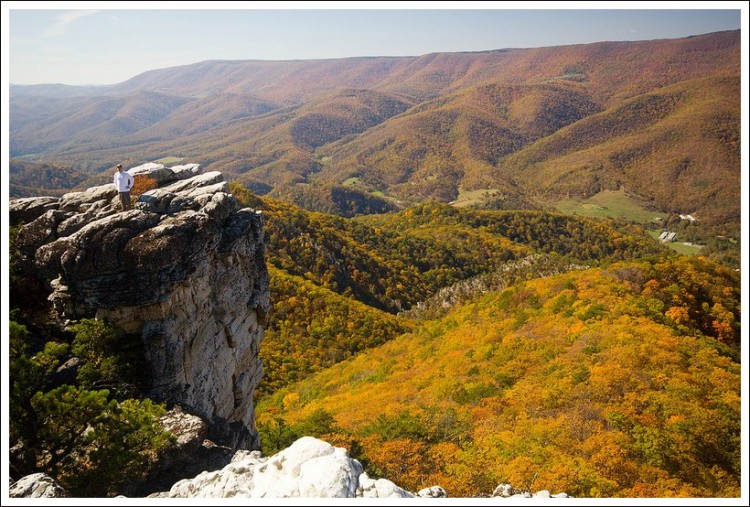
{"x": 622, "y": 381}
{"x": 336, "y": 283}
{"x": 456, "y": 141}
{"x": 527, "y": 123}
{"x": 679, "y": 146}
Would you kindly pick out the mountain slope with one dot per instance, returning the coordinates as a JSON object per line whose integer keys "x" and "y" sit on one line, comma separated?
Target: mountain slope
{"x": 333, "y": 279}
{"x": 65, "y": 122}
{"x": 312, "y": 328}
{"x": 453, "y": 141}
{"x": 609, "y": 71}
{"x": 205, "y": 114}
{"x": 660, "y": 118}
{"x": 678, "y": 146}
{"x": 613, "y": 70}
{"x": 621, "y": 381}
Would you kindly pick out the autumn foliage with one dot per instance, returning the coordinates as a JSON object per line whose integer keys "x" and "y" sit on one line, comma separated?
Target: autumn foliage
{"x": 617, "y": 381}
{"x": 142, "y": 184}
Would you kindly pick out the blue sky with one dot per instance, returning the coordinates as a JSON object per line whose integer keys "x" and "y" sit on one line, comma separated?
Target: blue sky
{"x": 110, "y": 42}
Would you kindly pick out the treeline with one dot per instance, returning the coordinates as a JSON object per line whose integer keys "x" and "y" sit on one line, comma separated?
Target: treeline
{"x": 579, "y": 238}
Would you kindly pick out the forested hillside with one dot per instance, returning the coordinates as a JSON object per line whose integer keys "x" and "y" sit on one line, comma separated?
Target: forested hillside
{"x": 29, "y": 179}
{"x": 443, "y": 346}
{"x": 336, "y": 282}
{"x": 616, "y": 381}
{"x": 678, "y": 145}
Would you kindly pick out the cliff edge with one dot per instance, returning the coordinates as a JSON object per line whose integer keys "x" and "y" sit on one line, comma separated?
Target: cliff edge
{"x": 184, "y": 270}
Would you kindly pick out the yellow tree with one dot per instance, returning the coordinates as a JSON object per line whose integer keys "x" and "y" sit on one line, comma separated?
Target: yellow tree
{"x": 141, "y": 184}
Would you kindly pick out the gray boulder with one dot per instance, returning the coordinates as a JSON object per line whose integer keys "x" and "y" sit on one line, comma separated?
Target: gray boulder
{"x": 36, "y": 486}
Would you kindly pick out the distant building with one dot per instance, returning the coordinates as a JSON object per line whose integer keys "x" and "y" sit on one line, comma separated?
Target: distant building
{"x": 667, "y": 236}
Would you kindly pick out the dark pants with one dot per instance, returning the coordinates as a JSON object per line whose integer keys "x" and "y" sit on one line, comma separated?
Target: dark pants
{"x": 125, "y": 200}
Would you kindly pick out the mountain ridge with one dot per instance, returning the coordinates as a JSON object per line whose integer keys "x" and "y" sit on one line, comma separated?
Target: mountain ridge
{"x": 257, "y": 120}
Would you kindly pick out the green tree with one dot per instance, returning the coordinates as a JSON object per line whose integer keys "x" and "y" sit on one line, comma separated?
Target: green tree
{"x": 110, "y": 361}
{"x": 87, "y": 442}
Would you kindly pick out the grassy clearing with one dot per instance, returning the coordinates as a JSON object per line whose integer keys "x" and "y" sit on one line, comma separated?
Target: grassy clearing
{"x": 610, "y": 203}
{"x": 467, "y": 198}
{"x": 617, "y": 204}
{"x": 169, "y": 160}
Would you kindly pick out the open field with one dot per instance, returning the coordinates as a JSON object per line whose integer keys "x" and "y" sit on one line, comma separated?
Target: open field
{"x": 610, "y": 203}
{"x": 679, "y": 247}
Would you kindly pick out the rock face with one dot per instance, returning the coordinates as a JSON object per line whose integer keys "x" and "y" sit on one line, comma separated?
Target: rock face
{"x": 185, "y": 270}
{"x": 309, "y": 468}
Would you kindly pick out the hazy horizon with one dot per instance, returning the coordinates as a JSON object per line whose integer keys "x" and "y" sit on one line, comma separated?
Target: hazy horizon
{"x": 55, "y": 46}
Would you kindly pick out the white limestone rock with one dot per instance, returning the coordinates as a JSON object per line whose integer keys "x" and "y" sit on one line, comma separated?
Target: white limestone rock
{"x": 508, "y": 491}
{"x": 432, "y": 492}
{"x": 157, "y": 172}
{"x": 36, "y": 486}
{"x": 185, "y": 171}
{"x": 185, "y": 270}
{"x": 309, "y": 468}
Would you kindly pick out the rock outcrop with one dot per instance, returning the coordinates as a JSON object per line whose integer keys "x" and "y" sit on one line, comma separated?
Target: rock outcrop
{"x": 432, "y": 492}
{"x": 192, "y": 454}
{"x": 508, "y": 491}
{"x": 36, "y": 486}
{"x": 184, "y": 270}
{"x": 309, "y": 468}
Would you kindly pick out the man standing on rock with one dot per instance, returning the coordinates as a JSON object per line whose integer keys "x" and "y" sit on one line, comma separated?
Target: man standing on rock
{"x": 123, "y": 184}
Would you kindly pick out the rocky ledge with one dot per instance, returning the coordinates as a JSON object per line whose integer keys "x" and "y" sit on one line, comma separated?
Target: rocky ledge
{"x": 184, "y": 270}
{"x": 309, "y": 468}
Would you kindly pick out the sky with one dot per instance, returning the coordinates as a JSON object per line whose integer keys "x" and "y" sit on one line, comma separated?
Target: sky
{"x": 82, "y": 43}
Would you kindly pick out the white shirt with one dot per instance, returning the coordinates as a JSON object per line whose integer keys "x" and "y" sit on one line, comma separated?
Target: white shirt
{"x": 123, "y": 181}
